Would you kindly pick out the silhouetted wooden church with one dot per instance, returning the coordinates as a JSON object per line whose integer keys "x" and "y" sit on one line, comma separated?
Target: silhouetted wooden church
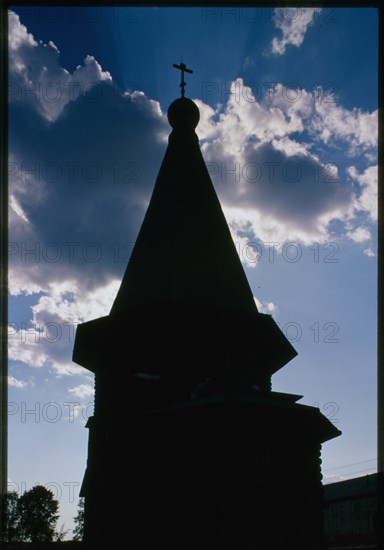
{"x": 188, "y": 444}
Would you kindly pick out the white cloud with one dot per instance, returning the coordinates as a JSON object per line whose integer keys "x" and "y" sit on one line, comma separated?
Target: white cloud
{"x": 333, "y": 122}
{"x": 23, "y": 346}
{"x": 290, "y": 147}
{"x": 82, "y": 390}
{"x": 14, "y": 382}
{"x": 15, "y": 207}
{"x": 369, "y": 252}
{"x": 18, "y": 35}
{"x": 274, "y": 183}
{"x": 81, "y": 208}
{"x": 280, "y": 113}
{"x": 243, "y": 236}
{"x": 67, "y": 303}
{"x": 360, "y": 234}
{"x": 296, "y": 103}
{"x": 36, "y": 77}
{"x": 266, "y": 307}
{"x": 48, "y": 341}
{"x": 206, "y": 127}
{"x": 367, "y": 201}
{"x": 293, "y": 23}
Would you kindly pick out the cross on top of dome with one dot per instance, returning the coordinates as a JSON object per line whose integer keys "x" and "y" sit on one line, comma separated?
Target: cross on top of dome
{"x": 183, "y": 68}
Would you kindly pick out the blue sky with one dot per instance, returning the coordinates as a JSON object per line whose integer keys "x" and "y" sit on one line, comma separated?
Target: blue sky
{"x": 288, "y": 129}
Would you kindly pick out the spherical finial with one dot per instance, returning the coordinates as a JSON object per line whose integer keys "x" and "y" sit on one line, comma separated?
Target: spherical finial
{"x": 183, "y": 114}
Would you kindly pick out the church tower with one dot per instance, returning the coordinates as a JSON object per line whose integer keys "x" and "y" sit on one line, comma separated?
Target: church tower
{"x": 186, "y": 428}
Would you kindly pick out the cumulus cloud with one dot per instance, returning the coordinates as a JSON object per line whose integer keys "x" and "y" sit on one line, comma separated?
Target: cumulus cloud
{"x": 82, "y": 391}
{"x": 15, "y": 383}
{"x": 367, "y": 200}
{"x": 47, "y": 340}
{"x": 359, "y": 235}
{"x": 36, "y": 77}
{"x": 23, "y": 346}
{"x": 333, "y": 123}
{"x": 293, "y": 23}
{"x": 268, "y": 180}
{"x": 79, "y": 171}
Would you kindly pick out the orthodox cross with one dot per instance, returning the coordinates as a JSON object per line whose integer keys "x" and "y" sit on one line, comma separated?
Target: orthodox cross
{"x": 183, "y": 68}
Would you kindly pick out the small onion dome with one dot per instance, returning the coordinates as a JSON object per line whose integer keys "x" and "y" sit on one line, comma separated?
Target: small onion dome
{"x": 183, "y": 114}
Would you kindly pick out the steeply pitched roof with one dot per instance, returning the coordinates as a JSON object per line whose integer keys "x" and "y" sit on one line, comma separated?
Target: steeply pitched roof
{"x": 184, "y": 289}
{"x": 184, "y": 252}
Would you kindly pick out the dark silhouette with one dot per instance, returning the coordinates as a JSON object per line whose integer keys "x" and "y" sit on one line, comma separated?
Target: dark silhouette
{"x": 61, "y": 534}
{"x": 351, "y": 512}
{"x": 11, "y": 518}
{"x": 78, "y": 532}
{"x": 32, "y": 517}
{"x": 183, "y": 68}
{"x": 186, "y": 426}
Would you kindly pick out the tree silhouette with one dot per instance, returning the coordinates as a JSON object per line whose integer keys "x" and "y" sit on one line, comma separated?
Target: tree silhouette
{"x": 60, "y": 535}
{"x": 78, "y": 531}
{"x": 38, "y": 516}
{"x": 11, "y": 520}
